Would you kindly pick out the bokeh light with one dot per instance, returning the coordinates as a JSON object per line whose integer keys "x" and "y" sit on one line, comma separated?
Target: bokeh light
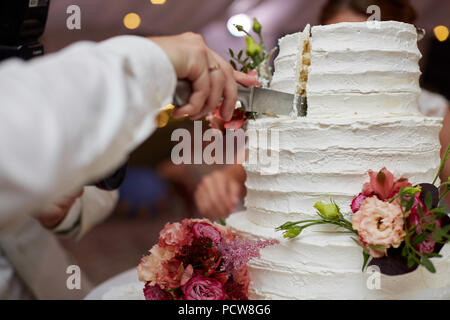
{"x": 441, "y": 33}
{"x": 239, "y": 19}
{"x": 132, "y": 21}
{"x": 158, "y": 1}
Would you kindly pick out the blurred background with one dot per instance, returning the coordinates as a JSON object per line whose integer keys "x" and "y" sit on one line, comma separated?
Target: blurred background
{"x": 155, "y": 190}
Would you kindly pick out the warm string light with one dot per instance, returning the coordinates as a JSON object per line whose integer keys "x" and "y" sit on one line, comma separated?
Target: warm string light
{"x": 132, "y": 21}
{"x": 158, "y": 1}
{"x": 242, "y": 20}
{"x": 441, "y": 33}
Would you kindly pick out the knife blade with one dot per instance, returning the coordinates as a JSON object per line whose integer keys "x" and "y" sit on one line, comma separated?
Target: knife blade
{"x": 253, "y": 99}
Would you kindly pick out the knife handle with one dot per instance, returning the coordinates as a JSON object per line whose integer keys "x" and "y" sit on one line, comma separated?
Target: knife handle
{"x": 183, "y": 93}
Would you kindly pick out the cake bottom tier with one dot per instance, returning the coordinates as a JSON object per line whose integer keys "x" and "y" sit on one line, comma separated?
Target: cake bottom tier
{"x": 327, "y": 265}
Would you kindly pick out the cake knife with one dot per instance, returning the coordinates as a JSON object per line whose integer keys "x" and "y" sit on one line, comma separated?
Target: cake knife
{"x": 253, "y": 99}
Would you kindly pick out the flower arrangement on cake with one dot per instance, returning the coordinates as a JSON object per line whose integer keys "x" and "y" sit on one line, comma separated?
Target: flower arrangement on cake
{"x": 198, "y": 260}
{"x": 399, "y": 226}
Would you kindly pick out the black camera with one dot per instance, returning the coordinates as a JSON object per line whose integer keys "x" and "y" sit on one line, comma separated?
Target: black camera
{"x": 22, "y": 23}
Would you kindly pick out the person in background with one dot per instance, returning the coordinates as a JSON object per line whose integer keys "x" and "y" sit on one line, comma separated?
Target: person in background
{"x": 223, "y": 199}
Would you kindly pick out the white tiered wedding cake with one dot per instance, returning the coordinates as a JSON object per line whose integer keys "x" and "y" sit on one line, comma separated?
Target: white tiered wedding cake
{"x": 362, "y": 83}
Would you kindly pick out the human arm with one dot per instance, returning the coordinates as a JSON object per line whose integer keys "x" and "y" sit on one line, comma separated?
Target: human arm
{"x": 219, "y": 193}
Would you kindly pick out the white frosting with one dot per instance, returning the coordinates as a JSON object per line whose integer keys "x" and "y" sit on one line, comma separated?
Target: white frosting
{"x": 357, "y": 69}
{"x": 323, "y": 159}
{"x": 362, "y": 92}
{"x": 321, "y": 265}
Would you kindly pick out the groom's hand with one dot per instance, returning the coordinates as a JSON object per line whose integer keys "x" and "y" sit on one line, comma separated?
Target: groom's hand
{"x": 54, "y": 215}
{"x": 212, "y": 77}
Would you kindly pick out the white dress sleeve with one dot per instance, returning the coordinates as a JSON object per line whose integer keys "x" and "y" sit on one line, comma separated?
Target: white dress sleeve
{"x": 73, "y": 117}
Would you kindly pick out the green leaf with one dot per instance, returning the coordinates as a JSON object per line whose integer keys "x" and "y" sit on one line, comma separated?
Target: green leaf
{"x": 357, "y": 242}
{"x": 419, "y": 239}
{"x": 405, "y": 251}
{"x": 367, "y": 258}
{"x": 428, "y": 201}
{"x": 410, "y": 262}
{"x": 222, "y": 222}
{"x": 292, "y": 232}
{"x": 427, "y": 264}
{"x": 441, "y": 209}
{"x": 409, "y": 204}
{"x": 256, "y": 26}
{"x": 233, "y": 64}
{"x": 240, "y": 54}
{"x": 231, "y": 53}
{"x": 286, "y": 226}
{"x": 420, "y": 210}
{"x": 378, "y": 247}
{"x": 441, "y": 166}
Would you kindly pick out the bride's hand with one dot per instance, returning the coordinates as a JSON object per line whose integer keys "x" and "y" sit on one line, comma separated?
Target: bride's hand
{"x": 220, "y": 192}
{"x": 212, "y": 77}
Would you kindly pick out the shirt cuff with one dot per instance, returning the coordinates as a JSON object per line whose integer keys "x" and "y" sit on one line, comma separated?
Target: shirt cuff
{"x": 71, "y": 221}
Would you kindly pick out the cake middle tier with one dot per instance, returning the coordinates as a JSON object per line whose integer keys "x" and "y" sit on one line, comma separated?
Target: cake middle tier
{"x": 319, "y": 160}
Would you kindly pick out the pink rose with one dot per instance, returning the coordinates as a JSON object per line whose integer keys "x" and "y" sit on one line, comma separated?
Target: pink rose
{"x": 357, "y": 201}
{"x": 202, "y": 288}
{"x": 155, "y": 293}
{"x": 379, "y": 224}
{"x": 175, "y": 234}
{"x": 206, "y": 230}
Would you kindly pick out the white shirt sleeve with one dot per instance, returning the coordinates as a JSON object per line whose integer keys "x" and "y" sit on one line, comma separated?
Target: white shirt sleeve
{"x": 92, "y": 208}
{"x": 73, "y": 117}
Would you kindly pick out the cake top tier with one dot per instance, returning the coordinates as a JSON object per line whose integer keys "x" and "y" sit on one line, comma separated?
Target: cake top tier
{"x": 357, "y": 69}
{"x": 363, "y": 36}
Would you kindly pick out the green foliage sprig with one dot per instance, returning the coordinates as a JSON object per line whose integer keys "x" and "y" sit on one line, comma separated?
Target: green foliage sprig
{"x": 328, "y": 213}
{"x": 255, "y": 52}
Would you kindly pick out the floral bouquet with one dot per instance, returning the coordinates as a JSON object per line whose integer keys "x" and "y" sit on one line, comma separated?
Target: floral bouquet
{"x": 198, "y": 260}
{"x": 399, "y": 226}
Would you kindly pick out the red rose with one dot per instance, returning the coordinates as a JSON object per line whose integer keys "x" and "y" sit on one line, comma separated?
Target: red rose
{"x": 202, "y": 288}
{"x": 155, "y": 293}
{"x": 205, "y": 230}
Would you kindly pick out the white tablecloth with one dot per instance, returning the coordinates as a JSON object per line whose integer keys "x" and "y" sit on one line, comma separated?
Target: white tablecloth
{"x": 124, "y": 286}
